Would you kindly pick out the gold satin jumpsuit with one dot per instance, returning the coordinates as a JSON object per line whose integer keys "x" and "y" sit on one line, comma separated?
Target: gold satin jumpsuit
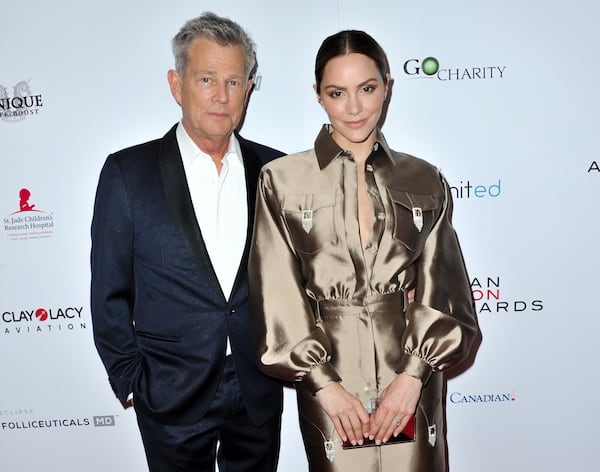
{"x": 325, "y": 310}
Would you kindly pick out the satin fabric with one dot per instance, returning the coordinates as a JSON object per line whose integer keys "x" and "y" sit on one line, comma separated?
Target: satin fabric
{"x": 326, "y": 310}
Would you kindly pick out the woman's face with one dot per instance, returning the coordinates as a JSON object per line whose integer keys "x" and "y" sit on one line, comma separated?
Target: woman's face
{"x": 353, "y": 93}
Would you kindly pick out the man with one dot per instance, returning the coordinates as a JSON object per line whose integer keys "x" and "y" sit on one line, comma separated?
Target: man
{"x": 170, "y": 234}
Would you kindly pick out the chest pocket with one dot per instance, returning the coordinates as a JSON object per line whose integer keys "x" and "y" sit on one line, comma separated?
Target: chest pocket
{"x": 310, "y": 220}
{"x": 410, "y": 211}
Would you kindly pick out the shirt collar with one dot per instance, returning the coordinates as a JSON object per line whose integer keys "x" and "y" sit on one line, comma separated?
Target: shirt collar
{"x": 327, "y": 149}
{"x": 190, "y": 151}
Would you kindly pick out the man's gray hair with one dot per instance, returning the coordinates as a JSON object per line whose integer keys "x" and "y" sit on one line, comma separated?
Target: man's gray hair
{"x": 220, "y": 30}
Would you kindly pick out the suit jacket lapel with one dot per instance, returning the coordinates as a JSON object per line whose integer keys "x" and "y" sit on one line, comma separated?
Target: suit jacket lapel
{"x": 252, "y": 166}
{"x": 180, "y": 203}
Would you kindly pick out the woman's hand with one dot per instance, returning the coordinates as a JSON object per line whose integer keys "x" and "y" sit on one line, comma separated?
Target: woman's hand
{"x": 398, "y": 403}
{"x": 347, "y": 413}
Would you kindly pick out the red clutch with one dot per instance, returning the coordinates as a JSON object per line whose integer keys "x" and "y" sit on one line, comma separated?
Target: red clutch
{"x": 406, "y": 435}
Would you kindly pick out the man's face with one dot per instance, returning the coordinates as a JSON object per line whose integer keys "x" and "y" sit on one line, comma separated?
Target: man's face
{"x": 212, "y": 91}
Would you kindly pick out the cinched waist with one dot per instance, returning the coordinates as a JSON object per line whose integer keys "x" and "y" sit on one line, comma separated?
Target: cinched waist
{"x": 371, "y": 303}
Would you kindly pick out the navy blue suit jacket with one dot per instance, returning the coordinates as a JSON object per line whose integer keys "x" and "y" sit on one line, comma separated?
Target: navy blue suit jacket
{"x": 160, "y": 318}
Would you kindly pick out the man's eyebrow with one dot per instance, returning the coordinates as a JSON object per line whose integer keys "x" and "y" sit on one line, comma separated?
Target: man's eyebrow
{"x": 212, "y": 72}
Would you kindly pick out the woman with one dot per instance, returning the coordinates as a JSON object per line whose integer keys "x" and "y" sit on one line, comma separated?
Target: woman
{"x": 343, "y": 233}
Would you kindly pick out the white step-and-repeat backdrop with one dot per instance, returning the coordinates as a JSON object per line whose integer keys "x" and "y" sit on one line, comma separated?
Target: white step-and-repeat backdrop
{"x": 510, "y": 112}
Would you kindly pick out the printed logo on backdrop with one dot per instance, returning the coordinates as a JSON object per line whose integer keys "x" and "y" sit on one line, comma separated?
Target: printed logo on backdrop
{"x": 491, "y": 299}
{"x": 482, "y": 397}
{"x": 28, "y": 222}
{"x": 42, "y": 321}
{"x": 256, "y": 81}
{"x": 467, "y": 189}
{"x": 19, "y": 102}
{"x": 22, "y": 419}
{"x": 594, "y": 167}
{"x": 431, "y": 68}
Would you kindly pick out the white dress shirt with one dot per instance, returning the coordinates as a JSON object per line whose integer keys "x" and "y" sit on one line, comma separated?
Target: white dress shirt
{"x": 220, "y": 205}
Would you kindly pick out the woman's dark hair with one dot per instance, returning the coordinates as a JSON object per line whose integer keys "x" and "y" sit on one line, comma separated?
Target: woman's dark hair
{"x": 347, "y": 42}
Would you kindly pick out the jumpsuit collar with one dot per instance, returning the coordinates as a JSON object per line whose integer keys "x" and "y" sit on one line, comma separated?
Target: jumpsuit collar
{"x": 327, "y": 149}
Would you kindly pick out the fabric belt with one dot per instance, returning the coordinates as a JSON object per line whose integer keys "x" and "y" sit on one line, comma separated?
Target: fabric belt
{"x": 371, "y": 303}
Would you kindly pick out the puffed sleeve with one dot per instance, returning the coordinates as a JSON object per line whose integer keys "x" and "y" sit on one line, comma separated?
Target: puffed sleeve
{"x": 441, "y": 324}
{"x": 291, "y": 345}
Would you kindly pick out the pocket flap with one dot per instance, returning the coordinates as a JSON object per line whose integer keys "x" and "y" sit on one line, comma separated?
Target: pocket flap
{"x": 412, "y": 200}
{"x": 312, "y": 201}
